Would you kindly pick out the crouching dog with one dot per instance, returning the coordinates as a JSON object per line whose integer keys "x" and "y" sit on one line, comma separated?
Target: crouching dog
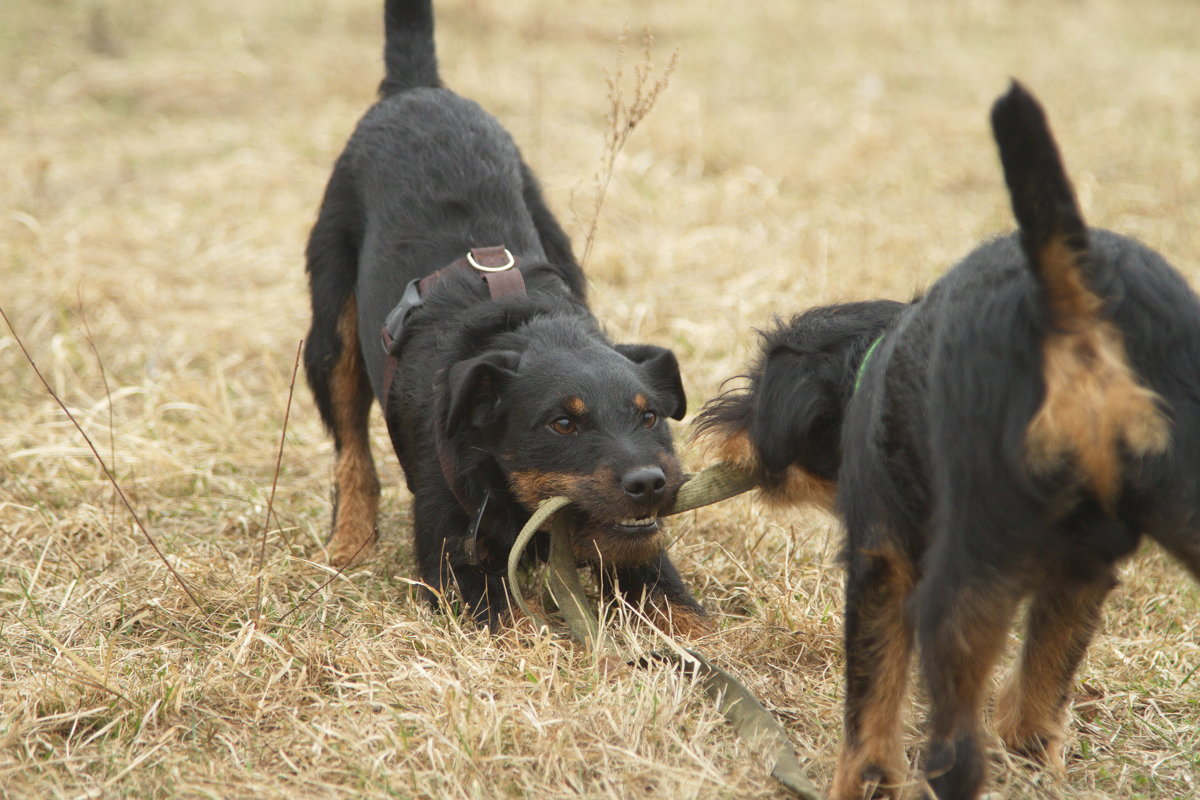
{"x": 498, "y": 386}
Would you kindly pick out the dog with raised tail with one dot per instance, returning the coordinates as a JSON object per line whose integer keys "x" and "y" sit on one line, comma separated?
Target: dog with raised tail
{"x": 443, "y": 288}
{"x": 1013, "y": 433}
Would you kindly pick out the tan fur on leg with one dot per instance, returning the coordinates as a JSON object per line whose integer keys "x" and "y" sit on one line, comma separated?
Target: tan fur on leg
{"x": 355, "y": 479}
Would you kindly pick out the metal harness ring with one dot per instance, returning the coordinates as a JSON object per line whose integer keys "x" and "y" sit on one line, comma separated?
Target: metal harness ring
{"x": 471, "y": 260}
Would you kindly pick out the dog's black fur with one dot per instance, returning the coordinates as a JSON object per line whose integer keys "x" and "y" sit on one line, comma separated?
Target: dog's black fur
{"x": 1015, "y": 433}
{"x": 530, "y": 398}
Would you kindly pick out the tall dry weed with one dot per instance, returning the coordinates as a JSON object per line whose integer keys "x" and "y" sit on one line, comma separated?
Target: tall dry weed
{"x": 625, "y": 113}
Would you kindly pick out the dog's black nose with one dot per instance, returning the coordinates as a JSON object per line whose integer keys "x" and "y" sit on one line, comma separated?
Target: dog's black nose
{"x": 644, "y": 483}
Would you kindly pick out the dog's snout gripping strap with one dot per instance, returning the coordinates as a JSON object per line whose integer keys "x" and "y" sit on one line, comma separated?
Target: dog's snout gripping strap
{"x": 736, "y": 702}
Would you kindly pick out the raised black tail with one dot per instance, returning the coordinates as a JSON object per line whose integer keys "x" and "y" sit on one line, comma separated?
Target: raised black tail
{"x": 409, "y": 54}
{"x": 1053, "y": 232}
{"x": 1095, "y": 411}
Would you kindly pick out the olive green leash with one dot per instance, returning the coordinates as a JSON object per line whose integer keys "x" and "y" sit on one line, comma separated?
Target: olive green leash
{"x": 735, "y": 701}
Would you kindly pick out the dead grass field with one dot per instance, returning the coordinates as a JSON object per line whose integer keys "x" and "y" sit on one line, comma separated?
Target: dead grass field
{"x": 160, "y": 165}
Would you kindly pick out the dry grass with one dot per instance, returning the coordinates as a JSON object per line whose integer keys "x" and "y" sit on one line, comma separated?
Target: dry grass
{"x": 160, "y": 166}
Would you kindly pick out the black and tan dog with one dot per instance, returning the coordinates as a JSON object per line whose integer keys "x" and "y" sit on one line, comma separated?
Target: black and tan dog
{"x": 498, "y": 393}
{"x": 1013, "y": 433}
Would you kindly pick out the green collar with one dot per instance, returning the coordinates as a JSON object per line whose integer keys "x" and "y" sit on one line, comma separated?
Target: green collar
{"x": 862, "y": 365}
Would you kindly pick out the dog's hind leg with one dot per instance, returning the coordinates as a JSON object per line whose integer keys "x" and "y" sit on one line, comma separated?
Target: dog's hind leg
{"x": 964, "y": 606}
{"x": 1063, "y": 616}
{"x": 356, "y": 482}
{"x": 878, "y": 638}
{"x": 334, "y": 366}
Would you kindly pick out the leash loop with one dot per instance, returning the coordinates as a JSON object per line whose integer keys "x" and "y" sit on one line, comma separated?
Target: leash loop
{"x": 545, "y": 511}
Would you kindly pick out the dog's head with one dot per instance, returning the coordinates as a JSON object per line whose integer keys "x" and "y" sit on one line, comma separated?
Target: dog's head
{"x": 786, "y": 425}
{"x": 563, "y": 412}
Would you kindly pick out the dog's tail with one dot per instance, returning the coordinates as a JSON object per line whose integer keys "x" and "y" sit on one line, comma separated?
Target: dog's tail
{"x": 409, "y": 54}
{"x": 1053, "y": 232}
{"x": 1094, "y": 406}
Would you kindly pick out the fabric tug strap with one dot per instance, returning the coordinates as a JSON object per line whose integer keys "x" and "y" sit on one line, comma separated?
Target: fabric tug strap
{"x": 497, "y": 267}
{"x": 735, "y": 701}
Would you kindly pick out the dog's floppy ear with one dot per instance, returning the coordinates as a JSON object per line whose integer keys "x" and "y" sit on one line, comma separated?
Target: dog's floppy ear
{"x": 662, "y": 371}
{"x": 797, "y": 416}
{"x": 474, "y": 389}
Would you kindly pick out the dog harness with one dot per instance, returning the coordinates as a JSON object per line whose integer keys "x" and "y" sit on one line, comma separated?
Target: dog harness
{"x": 862, "y": 365}
{"x": 496, "y": 266}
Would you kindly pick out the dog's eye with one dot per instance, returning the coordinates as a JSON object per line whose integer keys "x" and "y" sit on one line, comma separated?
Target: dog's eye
{"x": 563, "y": 425}
{"x": 649, "y": 418}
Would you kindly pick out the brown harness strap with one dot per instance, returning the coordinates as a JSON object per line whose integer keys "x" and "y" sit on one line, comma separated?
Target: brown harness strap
{"x": 498, "y": 269}
{"x": 496, "y": 265}
{"x": 389, "y": 367}
{"x": 505, "y": 284}
{"x": 445, "y": 459}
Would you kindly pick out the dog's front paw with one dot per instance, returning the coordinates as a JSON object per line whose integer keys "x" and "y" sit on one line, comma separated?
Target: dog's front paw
{"x": 682, "y": 620}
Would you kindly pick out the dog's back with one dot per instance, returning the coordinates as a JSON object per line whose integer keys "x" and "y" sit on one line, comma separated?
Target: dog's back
{"x": 405, "y": 172}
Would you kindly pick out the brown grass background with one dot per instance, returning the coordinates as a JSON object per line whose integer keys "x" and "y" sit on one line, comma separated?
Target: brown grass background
{"x": 160, "y": 165}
